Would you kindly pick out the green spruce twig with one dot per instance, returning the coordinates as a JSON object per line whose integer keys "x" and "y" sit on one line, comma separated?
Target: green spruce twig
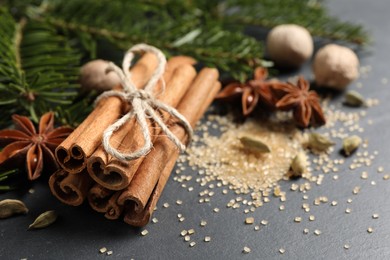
{"x": 38, "y": 69}
{"x": 4, "y": 176}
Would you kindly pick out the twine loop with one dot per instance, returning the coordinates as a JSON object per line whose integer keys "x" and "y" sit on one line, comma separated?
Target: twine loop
{"x": 144, "y": 105}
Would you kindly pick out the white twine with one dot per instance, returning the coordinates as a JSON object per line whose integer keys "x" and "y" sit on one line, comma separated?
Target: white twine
{"x": 144, "y": 105}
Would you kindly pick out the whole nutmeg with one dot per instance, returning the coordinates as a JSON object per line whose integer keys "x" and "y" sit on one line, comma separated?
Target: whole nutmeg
{"x": 93, "y": 76}
{"x": 335, "y": 66}
{"x": 289, "y": 45}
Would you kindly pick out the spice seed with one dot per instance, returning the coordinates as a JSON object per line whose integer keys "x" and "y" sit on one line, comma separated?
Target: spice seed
{"x": 45, "y": 219}
{"x": 264, "y": 222}
{"x": 312, "y": 218}
{"x": 246, "y": 250}
{"x": 109, "y": 252}
{"x": 207, "y": 239}
{"x": 192, "y": 244}
{"x": 154, "y": 220}
{"x": 282, "y": 250}
{"x": 187, "y": 238}
{"x": 257, "y": 228}
{"x": 348, "y": 210}
{"x": 183, "y": 233}
{"x": 191, "y": 231}
{"x": 370, "y": 230}
{"x": 102, "y": 250}
{"x": 203, "y": 223}
{"x": 144, "y": 232}
{"x": 166, "y": 205}
{"x": 346, "y": 246}
{"x": 306, "y": 231}
{"x": 216, "y": 210}
{"x": 179, "y": 202}
{"x": 375, "y": 216}
{"x": 317, "y": 232}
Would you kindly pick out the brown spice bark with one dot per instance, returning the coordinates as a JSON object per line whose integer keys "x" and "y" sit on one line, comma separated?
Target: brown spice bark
{"x": 115, "y": 174}
{"x": 73, "y": 152}
{"x": 105, "y": 201}
{"x": 70, "y": 189}
{"x": 148, "y": 182}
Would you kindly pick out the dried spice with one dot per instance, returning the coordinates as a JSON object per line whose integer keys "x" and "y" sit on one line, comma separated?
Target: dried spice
{"x": 253, "y": 143}
{"x": 354, "y": 99}
{"x": 318, "y": 142}
{"x": 251, "y": 92}
{"x": 335, "y": 66}
{"x": 45, "y": 219}
{"x": 304, "y": 102}
{"x": 351, "y": 143}
{"x": 289, "y": 45}
{"x": 37, "y": 148}
{"x": 299, "y": 164}
{"x": 10, "y": 207}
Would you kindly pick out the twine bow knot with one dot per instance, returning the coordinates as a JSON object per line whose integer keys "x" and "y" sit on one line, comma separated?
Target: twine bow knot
{"x": 144, "y": 105}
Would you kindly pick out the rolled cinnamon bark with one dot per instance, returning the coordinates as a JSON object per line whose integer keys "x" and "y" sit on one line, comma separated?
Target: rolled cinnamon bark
{"x": 114, "y": 210}
{"x": 105, "y": 201}
{"x": 72, "y": 153}
{"x": 98, "y": 197}
{"x": 70, "y": 189}
{"x": 116, "y": 174}
{"x": 143, "y": 192}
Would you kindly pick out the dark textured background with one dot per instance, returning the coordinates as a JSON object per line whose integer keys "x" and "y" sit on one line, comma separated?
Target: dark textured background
{"x": 80, "y": 232}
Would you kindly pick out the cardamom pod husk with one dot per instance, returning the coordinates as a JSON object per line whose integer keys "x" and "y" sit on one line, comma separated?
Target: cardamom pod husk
{"x": 11, "y": 207}
{"x": 354, "y": 99}
{"x": 299, "y": 164}
{"x": 45, "y": 219}
{"x": 319, "y": 142}
{"x": 253, "y": 143}
{"x": 351, "y": 143}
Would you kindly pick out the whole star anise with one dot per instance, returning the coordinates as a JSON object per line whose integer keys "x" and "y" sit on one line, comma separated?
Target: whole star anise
{"x": 304, "y": 102}
{"x": 251, "y": 91}
{"x": 36, "y": 148}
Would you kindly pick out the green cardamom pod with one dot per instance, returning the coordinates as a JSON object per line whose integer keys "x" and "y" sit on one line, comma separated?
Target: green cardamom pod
{"x": 319, "y": 142}
{"x": 351, "y": 143}
{"x": 299, "y": 164}
{"x": 10, "y": 207}
{"x": 45, "y": 219}
{"x": 252, "y": 143}
{"x": 354, "y": 99}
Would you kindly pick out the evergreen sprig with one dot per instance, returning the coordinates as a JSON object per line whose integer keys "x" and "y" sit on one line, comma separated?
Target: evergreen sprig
{"x": 38, "y": 69}
{"x": 308, "y": 13}
{"x": 172, "y": 26}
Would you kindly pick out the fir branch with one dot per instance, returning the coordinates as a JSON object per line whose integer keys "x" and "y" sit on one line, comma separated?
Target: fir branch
{"x": 172, "y": 26}
{"x": 38, "y": 69}
{"x": 4, "y": 178}
{"x": 310, "y": 14}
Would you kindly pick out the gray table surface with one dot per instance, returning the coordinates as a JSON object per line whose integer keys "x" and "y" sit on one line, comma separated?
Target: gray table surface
{"x": 79, "y": 232}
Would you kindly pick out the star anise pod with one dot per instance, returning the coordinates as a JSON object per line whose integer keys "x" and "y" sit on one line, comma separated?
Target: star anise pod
{"x": 251, "y": 91}
{"x": 304, "y": 102}
{"x": 36, "y": 148}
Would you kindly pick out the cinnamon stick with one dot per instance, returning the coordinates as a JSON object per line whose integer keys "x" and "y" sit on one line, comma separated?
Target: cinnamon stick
{"x": 116, "y": 174}
{"x": 140, "y": 190}
{"x": 142, "y": 218}
{"x": 70, "y": 189}
{"x": 105, "y": 201}
{"x": 72, "y": 153}
{"x": 98, "y": 197}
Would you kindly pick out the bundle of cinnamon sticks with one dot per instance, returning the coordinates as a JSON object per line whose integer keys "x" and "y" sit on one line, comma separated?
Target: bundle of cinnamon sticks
{"x": 131, "y": 188}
